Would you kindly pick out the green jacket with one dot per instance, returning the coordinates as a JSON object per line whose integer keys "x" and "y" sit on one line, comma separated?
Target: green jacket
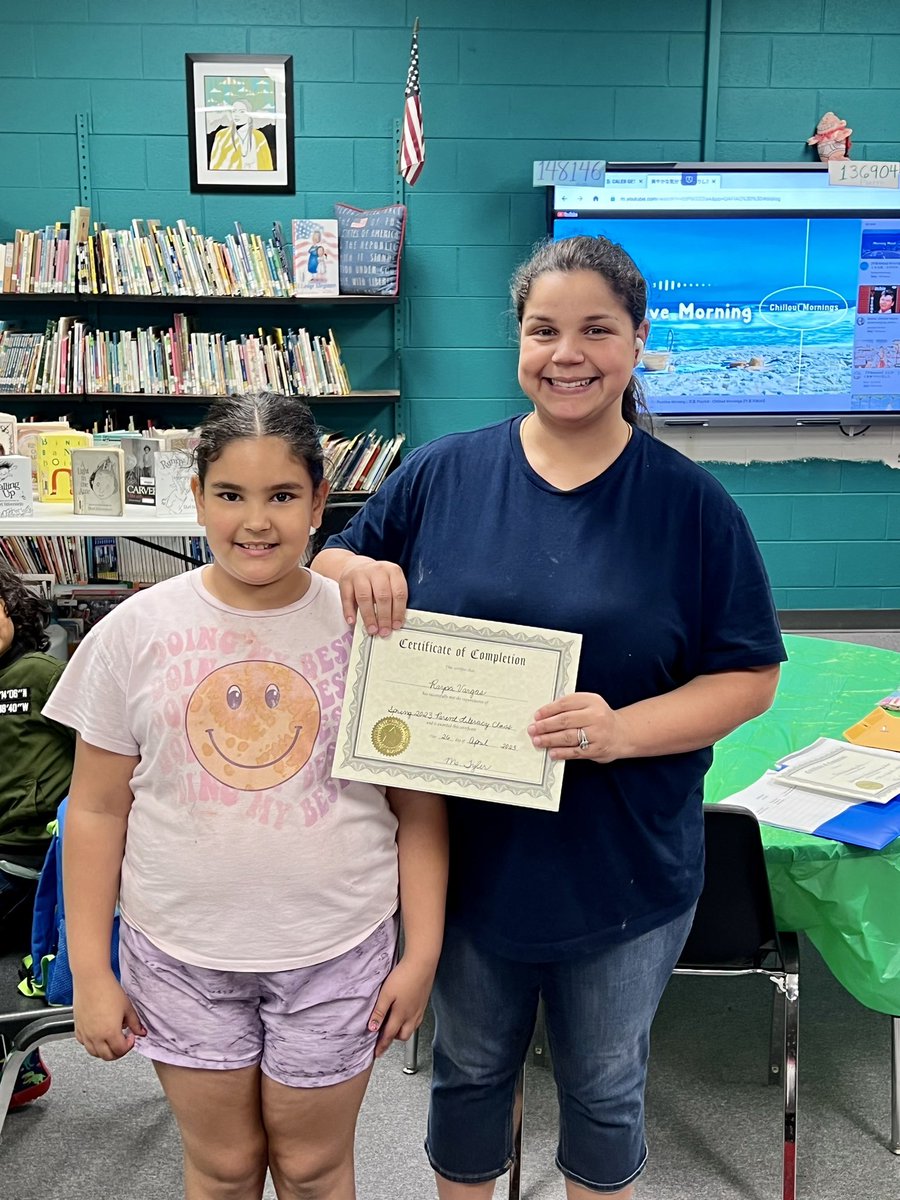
{"x": 36, "y": 754}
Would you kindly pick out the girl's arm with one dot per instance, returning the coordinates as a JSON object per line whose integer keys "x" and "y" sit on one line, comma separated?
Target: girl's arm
{"x": 422, "y": 852}
{"x": 100, "y": 799}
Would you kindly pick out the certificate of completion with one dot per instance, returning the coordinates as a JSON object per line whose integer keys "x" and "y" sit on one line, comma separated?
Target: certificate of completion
{"x": 444, "y": 704}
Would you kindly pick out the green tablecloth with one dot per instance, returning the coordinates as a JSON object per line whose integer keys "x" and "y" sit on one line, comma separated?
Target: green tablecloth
{"x": 846, "y": 899}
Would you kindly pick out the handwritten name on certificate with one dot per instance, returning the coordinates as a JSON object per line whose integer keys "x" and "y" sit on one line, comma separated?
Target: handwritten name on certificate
{"x": 444, "y": 705}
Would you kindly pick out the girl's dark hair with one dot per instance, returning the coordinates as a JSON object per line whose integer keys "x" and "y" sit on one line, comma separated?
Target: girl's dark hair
{"x": 261, "y": 414}
{"x": 28, "y": 612}
{"x": 618, "y": 271}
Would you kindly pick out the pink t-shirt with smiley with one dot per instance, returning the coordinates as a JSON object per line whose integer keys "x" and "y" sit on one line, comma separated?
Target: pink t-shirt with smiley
{"x": 242, "y": 853}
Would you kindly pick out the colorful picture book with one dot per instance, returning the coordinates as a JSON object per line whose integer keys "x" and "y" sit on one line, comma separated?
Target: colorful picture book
{"x": 54, "y": 464}
{"x": 98, "y": 481}
{"x": 27, "y": 436}
{"x": 315, "y": 257}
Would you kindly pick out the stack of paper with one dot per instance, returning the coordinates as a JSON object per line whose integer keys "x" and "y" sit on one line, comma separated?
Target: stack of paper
{"x": 831, "y": 789}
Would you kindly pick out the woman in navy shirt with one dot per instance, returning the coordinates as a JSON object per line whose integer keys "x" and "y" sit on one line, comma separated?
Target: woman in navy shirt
{"x": 572, "y": 517}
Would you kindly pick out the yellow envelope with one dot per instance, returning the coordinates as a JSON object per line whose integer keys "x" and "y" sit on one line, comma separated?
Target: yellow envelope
{"x": 880, "y": 729}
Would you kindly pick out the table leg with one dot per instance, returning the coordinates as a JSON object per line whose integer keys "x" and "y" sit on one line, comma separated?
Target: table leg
{"x": 894, "y": 1146}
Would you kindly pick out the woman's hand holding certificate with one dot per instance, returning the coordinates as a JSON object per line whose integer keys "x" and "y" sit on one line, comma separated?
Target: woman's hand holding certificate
{"x": 444, "y": 704}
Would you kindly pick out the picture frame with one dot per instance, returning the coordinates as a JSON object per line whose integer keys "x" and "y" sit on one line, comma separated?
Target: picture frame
{"x": 240, "y": 110}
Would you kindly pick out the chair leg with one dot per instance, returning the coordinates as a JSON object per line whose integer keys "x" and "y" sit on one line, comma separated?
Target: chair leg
{"x": 791, "y": 1047}
{"x": 515, "y": 1171}
{"x": 8, "y": 1076}
{"x": 895, "y": 1085}
{"x": 776, "y": 1038}
{"x": 30, "y": 1039}
{"x": 411, "y": 1055}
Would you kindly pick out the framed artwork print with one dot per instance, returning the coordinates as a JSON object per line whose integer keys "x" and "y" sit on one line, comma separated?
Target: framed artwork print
{"x": 241, "y": 122}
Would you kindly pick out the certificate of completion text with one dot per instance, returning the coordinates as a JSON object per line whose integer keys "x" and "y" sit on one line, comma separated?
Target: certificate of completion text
{"x": 444, "y": 704}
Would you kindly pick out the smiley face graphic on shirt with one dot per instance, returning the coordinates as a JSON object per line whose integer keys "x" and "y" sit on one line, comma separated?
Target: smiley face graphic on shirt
{"x": 253, "y": 725}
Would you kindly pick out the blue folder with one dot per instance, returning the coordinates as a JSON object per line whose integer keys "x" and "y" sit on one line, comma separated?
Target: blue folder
{"x": 868, "y": 824}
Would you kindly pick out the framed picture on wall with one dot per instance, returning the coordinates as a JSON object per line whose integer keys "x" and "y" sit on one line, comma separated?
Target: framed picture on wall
{"x": 241, "y": 122}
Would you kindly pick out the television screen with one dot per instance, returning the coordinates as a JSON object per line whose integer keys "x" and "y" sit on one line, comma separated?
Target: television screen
{"x": 773, "y": 294}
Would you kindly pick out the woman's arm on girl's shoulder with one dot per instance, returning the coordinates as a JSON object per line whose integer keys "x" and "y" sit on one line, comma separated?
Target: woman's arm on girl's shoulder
{"x": 100, "y": 800}
{"x": 376, "y": 588}
{"x": 422, "y": 853}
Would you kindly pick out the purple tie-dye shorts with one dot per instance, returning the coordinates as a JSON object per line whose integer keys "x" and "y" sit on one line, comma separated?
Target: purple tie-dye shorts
{"x": 306, "y": 1028}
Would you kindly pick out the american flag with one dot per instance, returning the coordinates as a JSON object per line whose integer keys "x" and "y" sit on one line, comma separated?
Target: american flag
{"x": 412, "y": 138}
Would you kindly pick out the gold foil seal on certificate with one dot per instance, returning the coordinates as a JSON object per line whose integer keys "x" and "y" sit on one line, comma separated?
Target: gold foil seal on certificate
{"x": 390, "y": 736}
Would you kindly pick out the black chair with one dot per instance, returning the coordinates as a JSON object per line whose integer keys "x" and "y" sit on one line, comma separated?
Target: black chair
{"x": 734, "y": 933}
{"x": 24, "y": 1025}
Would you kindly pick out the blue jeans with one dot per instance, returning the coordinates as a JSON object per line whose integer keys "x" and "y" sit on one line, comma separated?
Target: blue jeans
{"x": 598, "y": 1009}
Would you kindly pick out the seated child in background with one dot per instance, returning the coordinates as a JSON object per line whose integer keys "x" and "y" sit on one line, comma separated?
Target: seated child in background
{"x": 36, "y": 757}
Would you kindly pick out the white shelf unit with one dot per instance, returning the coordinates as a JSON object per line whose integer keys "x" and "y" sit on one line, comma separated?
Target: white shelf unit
{"x": 54, "y": 520}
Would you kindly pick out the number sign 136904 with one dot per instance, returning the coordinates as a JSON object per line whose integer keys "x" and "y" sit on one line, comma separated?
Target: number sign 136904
{"x": 846, "y": 173}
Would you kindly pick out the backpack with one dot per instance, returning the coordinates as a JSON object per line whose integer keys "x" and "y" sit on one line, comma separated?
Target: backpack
{"x": 47, "y": 970}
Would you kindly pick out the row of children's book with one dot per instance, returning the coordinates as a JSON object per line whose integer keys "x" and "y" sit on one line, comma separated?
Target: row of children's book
{"x": 72, "y": 358}
{"x": 98, "y": 473}
{"x": 360, "y": 463}
{"x": 150, "y": 259}
{"x": 101, "y": 473}
{"x": 73, "y": 560}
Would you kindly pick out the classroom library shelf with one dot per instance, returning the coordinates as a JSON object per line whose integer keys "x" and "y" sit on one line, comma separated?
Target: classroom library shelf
{"x": 56, "y": 520}
{"x": 383, "y": 395}
{"x": 226, "y": 301}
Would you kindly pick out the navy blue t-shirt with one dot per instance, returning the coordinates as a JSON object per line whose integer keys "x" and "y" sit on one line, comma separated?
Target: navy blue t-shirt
{"x": 654, "y": 565}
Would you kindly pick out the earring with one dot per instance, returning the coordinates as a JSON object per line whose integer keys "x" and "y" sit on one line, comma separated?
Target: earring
{"x": 313, "y": 530}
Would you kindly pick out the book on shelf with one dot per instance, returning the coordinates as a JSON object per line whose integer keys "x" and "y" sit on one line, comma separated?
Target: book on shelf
{"x": 8, "y": 425}
{"x": 79, "y": 228}
{"x": 98, "y": 481}
{"x": 315, "y": 257}
{"x": 174, "y": 497}
{"x": 27, "y": 436}
{"x": 16, "y": 499}
{"x": 71, "y": 358}
{"x": 104, "y": 558}
{"x": 7, "y": 250}
{"x": 385, "y": 461}
{"x": 54, "y": 464}
{"x": 140, "y": 477}
{"x": 74, "y": 560}
{"x": 360, "y": 463}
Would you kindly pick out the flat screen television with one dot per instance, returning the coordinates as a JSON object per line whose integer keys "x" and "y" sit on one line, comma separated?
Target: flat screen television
{"x": 773, "y": 295}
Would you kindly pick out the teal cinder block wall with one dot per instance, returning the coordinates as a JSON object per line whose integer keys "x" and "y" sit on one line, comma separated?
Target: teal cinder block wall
{"x": 504, "y": 82}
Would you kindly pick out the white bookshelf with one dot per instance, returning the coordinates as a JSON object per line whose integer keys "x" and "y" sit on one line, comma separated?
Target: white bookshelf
{"x": 54, "y": 520}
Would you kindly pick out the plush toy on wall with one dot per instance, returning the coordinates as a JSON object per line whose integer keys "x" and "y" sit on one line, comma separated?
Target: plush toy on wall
{"x": 832, "y": 138}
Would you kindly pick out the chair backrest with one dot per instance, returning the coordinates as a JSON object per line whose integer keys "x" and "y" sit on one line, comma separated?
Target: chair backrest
{"x": 734, "y": 925}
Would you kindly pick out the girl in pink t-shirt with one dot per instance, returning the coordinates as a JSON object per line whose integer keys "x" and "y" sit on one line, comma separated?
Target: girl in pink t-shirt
{"x": 258, "y": 896}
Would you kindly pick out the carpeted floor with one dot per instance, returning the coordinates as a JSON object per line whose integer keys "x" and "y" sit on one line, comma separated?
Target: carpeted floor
{"x": 103, "y": 1132}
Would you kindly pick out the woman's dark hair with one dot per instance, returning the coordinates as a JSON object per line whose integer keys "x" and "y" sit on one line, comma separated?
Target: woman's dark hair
{"x": 261, "y": 414}
{"x": 28, "y": 612}
{"x": 618, "y": 271}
